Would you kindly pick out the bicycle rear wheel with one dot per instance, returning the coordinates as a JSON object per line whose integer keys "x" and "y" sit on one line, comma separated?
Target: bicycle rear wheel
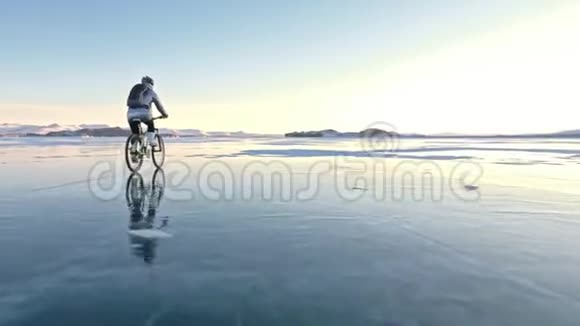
{"x": 158, "y": 152}
{"x": 133, "y": 155}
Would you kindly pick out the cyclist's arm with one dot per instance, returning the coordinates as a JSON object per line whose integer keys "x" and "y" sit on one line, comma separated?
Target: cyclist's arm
{"x": 158, "y": 105}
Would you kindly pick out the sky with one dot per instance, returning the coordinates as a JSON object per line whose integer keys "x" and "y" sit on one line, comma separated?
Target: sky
{"x": 480, "y": 66}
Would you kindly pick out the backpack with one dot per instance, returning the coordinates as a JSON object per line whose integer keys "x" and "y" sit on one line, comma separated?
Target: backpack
{"x": 137, "y": 96}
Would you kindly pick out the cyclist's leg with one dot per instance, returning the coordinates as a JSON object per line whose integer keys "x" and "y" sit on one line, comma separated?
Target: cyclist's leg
{"x": 150, "y": 126}
{"x": 151, "y": 132}
{"x": 134, "y": 125}
{"x": 135, "y": 116}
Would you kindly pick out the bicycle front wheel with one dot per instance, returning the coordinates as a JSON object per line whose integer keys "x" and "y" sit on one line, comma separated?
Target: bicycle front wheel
{"x": 135, "y": 191}
{"x": 133, "y": 155}
{"x": 158, "y": 152}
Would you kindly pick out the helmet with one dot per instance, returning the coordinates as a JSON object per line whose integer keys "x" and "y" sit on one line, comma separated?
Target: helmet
{"x": 147, "y": 80}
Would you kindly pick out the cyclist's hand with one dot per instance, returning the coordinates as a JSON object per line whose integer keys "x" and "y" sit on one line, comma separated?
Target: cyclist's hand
{"x": 165, "y": 116}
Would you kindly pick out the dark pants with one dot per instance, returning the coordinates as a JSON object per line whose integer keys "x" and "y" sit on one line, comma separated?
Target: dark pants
{"x": 136, "y": 126}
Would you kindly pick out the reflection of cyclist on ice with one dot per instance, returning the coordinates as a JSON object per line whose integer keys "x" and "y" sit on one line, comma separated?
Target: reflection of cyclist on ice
{"x": 143, "y": 202}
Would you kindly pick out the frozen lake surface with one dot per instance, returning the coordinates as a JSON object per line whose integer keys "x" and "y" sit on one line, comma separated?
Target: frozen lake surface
{"x": 274, "y": 231}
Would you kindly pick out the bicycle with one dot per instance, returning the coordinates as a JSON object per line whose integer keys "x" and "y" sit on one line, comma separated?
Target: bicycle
{"x": 136, "y": 191}
{"x": 137, "y": 148}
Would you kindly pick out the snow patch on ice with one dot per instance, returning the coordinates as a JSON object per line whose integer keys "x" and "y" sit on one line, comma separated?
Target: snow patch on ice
{"x": 150, "y": 234}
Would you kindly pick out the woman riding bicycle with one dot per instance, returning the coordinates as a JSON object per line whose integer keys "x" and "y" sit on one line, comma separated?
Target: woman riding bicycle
{"x": 139, "y": 108}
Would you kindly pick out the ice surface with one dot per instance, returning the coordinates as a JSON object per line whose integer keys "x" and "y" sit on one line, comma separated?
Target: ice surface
{"x": 70, "y": 256}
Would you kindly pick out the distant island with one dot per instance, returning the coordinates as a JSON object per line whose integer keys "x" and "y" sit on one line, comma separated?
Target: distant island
{"x": 100, "y": 130}
{"x": 328, "y": 133}
{"x": 333, "y": 133}
{"x": 85, "y": 130}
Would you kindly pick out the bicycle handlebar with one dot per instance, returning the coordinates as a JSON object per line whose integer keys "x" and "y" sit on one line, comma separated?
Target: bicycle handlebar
{"x": 158, "y": 118}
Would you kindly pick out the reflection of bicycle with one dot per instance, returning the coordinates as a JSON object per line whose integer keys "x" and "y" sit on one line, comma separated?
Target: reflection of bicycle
{"x": 136, "y": 190}
{"x": 137, "y": 148}
{"x": 143, "y": 201}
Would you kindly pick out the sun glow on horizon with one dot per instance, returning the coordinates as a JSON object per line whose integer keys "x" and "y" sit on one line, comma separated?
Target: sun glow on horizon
{"x": 524, "y": 78}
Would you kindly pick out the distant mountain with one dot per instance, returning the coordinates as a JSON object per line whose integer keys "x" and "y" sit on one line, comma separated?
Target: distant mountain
{"x": 379, "y": 132}
{"x": 11, "y": 129}
{"x": 95, "y": 126}
{"x": 321, "y": 133}
{"x": 88, "y": 132}
{"x": 372, "y": 132}
{"x": 569, "y": 133}
{"x": 102, "y": 130}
